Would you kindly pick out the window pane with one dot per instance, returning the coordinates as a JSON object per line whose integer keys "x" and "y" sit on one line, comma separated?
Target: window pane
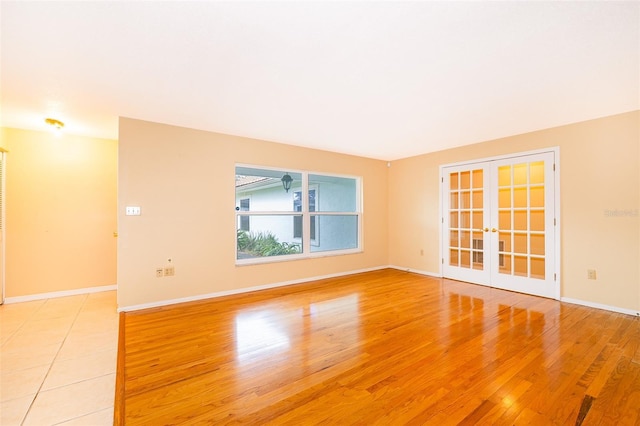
{"x": 504, "y": 220}
{"x": 520, "y": 243}
{"x": 453, "y": 220}
{"x": 453, "y": 240}
{"x": 504, "y": 241}
{"x": 465, "y": 239}
{"x": 453, "y": 181}
{"x": 454, "y": 200}
{"x": 537, "y": 244}
{"x": 477, "y": 199}
{"x": 477, "y": 178}
{"x": 504, "y": 176}
{"x": 465, "y": 180}
{"x": 504, "y": 198}
{"x": 520, "y": 266}
{"x": 314, "y": 224}
{"x": 520, "y": 197}
{"x": 465, "y": 219}
{"x": 334, "y": 194}
{"x": 335, "y": 232}
{"x": 520, "y": 177}
{"x": 270, "y": 235}
{"x": 478, "y": 220}
{"x": 537, "y": 172}
{"x": 537, "y": 196}
{"x": 537, "y": 220}
{"x": 465, "y": 200}
{"x": 265, "y": 189}
{"x": 243, "y": 221}
{"x": 297, "y": 227}
{"x": 453, "y": 257}
{"x": 465, "y": 259}
{"x": 537, "y": 268}
{"x": 520, "y": 220}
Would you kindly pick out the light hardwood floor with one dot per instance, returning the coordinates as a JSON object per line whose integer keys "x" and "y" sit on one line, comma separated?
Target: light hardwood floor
{"x": 385, "y": 347}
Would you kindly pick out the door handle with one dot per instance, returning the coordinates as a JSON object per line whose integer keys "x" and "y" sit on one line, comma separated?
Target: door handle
{"x": 494, "y": 230}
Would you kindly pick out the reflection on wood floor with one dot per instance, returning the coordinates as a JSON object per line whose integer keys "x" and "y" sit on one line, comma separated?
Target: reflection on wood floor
{"x": 384, "y": 347}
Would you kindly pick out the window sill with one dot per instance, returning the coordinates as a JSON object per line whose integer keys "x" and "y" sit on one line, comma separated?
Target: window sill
{"x": 295, "y": 257}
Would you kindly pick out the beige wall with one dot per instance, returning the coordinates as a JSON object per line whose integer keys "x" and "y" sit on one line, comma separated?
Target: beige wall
{"x": 599, "y": 163}
{"x": 183, "y": 180}
{"x": 60, "y": 212}
{"x": 61, "y": 202}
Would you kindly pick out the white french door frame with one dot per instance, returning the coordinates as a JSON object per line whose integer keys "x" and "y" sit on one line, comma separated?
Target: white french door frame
{"x": 556, "y": 207}
{"x": 3, "y": 198}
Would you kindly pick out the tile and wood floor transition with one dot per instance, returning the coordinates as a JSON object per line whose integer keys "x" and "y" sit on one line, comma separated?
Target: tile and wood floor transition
{"x": 385, "y": 347}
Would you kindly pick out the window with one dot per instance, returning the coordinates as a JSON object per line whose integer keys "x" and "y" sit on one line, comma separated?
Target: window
{"x": 277, "y": 224}
{"x": 244, "y": 220}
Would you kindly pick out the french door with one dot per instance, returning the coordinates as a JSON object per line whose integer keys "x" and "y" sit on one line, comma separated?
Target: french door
{"x": 499, "y": 223}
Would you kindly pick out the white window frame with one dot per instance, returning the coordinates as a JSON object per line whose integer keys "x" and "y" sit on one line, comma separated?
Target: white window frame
{"x": 314, "y": 241}
{"x": 306, "y": 218}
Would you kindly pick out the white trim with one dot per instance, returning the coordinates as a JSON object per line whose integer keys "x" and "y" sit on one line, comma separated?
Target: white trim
{"x": 554, "y": 149}
{"x": 294, "y": 257}
{"x": 3, "y": 226}
{"x": 417, "y": 271}
{"x": 242, "y": 290}
{"x": 64, "y": 293}
{"x": 558, "y": 234}
{"x": 441, "y": 250}
{"x": 600, "y": 306}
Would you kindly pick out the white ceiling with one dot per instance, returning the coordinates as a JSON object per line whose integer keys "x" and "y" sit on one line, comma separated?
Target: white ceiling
{"x": 384, "y": 80}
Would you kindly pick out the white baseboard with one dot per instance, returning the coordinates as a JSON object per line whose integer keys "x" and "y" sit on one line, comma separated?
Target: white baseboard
{"x": 600, "y": 306}
{"x": 64, "y": 293}
{"x": 416, "y": 271}
{"x": 562, "y": 299}
{"x": 242, "y": 290}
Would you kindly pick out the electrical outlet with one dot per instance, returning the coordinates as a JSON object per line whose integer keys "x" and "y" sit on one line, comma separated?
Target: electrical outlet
{"x": 159, "y": 273}
{"x": 132, "y": 211}
{"x": 591, "y": 274}
{"x": 169, "y": 271}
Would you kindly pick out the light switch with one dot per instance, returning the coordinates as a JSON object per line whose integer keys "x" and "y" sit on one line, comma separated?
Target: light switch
{"x": 132, "y": 211}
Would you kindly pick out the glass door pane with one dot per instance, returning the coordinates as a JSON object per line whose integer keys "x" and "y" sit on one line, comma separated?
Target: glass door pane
{"x": 465, "y": 242}
{"x": 522, "y": 256}
{"x": 521, "y": 207}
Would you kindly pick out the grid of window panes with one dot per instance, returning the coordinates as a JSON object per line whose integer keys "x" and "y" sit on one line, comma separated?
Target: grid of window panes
{"x": 319, "y": 213}
{"x": 336, "y": 213}
{"x": 521, "y": 219}
{"x": 466, "y": 219}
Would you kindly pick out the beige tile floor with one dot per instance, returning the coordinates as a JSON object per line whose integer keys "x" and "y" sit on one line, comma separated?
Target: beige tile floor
{"x": 58, "y": 361}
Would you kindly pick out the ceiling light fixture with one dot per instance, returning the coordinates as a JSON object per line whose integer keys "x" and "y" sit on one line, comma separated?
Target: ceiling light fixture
{"x": 56, "y": 124}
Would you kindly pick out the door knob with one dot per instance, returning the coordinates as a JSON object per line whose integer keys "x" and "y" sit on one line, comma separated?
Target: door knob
{"x": 486, "y": 229}
{"x": 494, "y": 230}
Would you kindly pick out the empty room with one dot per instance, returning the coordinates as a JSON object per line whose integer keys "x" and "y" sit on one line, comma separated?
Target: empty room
{"x": 225, "y": 212}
